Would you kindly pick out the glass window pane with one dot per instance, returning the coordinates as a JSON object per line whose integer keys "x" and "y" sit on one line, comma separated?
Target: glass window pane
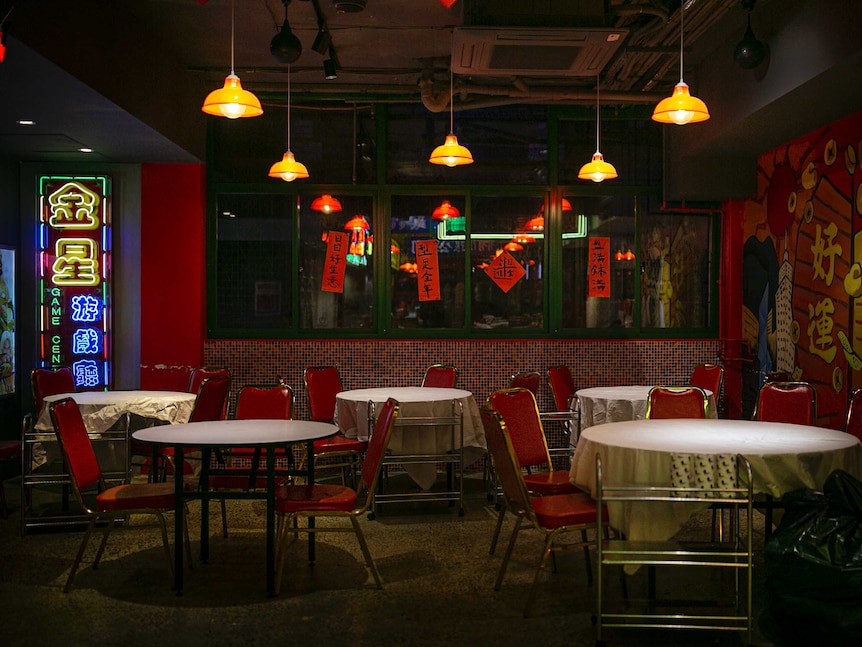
{"x": 253, "y": 264}
{"x": 353, "y": 307}
{"x": 413, "y": 219}
{"x": 509, "y": 145}
{"x": 508, "y": 263}
{"x": 588, "y": 221}
{"x": 675, "y": 286}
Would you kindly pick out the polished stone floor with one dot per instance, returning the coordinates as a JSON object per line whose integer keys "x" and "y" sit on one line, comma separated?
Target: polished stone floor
{"x": 438, "y": 587}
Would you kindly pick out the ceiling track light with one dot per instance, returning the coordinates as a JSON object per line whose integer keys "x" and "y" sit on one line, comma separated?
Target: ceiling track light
{"x": 321, "y": 41}
{"x": 232, "y": 101}
{"x": 330, "y": 69}
{"x": 680, "y": 108}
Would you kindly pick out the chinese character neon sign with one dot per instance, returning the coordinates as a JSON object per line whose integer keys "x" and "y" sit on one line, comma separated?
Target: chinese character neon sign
{"x": 75, "y": 274}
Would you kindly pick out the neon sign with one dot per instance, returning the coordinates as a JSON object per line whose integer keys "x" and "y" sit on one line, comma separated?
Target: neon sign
{"x": 75, "y": 276}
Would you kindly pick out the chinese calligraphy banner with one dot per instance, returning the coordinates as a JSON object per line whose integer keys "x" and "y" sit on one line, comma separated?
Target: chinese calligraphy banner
{"x": 334, "y": 264}
{"x": 75, "y": 272}
{"x": 427, "y": 270}
{"x": 599, "y": 268}
{"x": 505, "y": 271}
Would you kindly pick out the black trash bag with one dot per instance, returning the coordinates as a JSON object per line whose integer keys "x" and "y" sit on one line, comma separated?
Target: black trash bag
{"x": 814, "y": 565}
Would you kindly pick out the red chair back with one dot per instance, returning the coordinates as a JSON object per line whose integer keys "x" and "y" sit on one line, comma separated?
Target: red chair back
{"x": 199, "y": 374}
{"x": 676, "y": 402}
{"x": 506, "y": 462}
{"x": 46, "y": 381}
{"x": 709, "y": 377}
{"x": 854, "y": 415}
{"x": 518, "y": 409}
{"x": 378, "y": 443}
{"x": 211, "y": 400}
{"x": 322, "y": 384}
{"x": 440, "y": 375}
{"x": 562, "y": 386}
{"x": 794, "y": 402}
{"x": 84, "y": 470}
{"x": 264, "y": 403}
{"x": 526, "y": 380}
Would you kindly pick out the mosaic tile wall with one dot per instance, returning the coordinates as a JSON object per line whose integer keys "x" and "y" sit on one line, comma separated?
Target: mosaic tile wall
{"x": 483, "y": 365}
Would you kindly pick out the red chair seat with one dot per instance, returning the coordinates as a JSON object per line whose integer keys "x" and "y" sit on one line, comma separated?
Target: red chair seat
{"x": 566, "y": 510}
{"x": 547, "y": 483}
{"x": 10, "y": 449}
{"x": 339, "y": 443}
{"x": 136, "y": 496}
{"x": 295, "y": 498}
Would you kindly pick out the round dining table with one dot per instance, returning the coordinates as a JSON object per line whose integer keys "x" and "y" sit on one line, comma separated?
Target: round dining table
{"x": 690, "y": 452}
{"x": 602, "y": 404}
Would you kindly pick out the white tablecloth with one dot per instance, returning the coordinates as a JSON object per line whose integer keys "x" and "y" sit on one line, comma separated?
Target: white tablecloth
{"x": 102, "y": 409}
{"x": 603, "y": 404}
{"x": 783, "y": 457}
{"x": 351, "y": 413}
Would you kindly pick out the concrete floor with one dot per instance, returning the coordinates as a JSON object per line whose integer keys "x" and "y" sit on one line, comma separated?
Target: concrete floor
{"x": 438, "y": 587}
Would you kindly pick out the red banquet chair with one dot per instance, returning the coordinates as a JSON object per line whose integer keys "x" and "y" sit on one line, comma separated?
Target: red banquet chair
{"x": 677, "y": 402}
{"x": 238, "y": 469}
{"x": 854, "y": 415}
{"x": 333, "y": 500}
{"x": 793, "y": 402}
{"x": 708, "y": 377}
{"x": 440, "y": 375}
{"x": 111, "y": 504}
{"x": 322, "y": 384}
{"x": 46, "y": 381}
{"x": 200, "y": 373}
{"x": 526, "y": 380}
{"x": 518, "y": 409}
{"x": 553, "y": 516}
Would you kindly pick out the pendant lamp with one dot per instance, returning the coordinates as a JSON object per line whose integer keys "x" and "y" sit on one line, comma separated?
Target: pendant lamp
{"x": 445, "y": 211}
{"x": 597, "y": 169}
{"x": 288, "y": 169}
{"x": 451, "y": 153}
{"x": 680, "y": 108}
{"x": 326, "y": 204}
{"x": 232, "y": 101}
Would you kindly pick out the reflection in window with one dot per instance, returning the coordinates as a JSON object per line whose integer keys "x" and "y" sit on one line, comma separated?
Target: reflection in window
{"x": 353, "y": 307}
{"x": 586, "y": 223}
{"x": 253, "y": 266}
{"x": 423, "y": 218}
{"x": 508, "y": 263}
{"x": 675, "y": 285}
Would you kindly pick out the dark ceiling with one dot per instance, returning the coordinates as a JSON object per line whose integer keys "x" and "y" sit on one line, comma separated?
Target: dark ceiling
{"x": 127, "y": 78}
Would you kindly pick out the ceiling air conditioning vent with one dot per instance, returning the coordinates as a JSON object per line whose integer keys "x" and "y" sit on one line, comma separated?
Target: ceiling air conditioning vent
{"x": 496, "y": 51}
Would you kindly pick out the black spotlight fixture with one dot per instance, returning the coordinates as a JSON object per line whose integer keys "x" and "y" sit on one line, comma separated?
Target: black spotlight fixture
{"x": 749, "y": 52}
{"x": 321, "y": 42}
{"x": 285, "y": 46}
{"x": 349, "y": 6}
{"x": 330, "y": 70}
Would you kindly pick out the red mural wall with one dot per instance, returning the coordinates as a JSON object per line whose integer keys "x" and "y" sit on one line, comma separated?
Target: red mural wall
{"x": 802, "y": 267}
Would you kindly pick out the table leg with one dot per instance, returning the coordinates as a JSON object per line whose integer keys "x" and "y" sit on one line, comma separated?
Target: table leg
{"x": 270, "y": 521}
{"x": 206, "y": 456}
{"x": 179, "y": 512}
{"x": 310, "y": 480}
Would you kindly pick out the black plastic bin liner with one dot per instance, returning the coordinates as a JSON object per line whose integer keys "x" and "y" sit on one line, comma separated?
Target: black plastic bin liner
{"x": 814, "y": 565}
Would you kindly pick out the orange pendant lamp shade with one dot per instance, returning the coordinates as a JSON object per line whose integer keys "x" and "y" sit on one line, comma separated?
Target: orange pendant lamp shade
{"x": 680, "y": 108}
{"x": 445, "y": 211}
{"x": 597, "y": 170}
{"x": 232, "y": 101}
{"x": 451, "y": 153}
{"x": 288, "y": 169}
{"x": 326, "y": 204}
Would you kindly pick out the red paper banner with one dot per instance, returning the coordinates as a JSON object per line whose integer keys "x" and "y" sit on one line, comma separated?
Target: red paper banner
{"x": 505, "y": 271}
{"x": 427, "y": 270}
{"x": 335, "y": 262}
{"x": 599, "y": 264}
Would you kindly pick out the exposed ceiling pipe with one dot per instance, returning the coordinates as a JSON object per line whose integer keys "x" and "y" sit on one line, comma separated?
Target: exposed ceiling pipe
{"x": 433, "y": 102}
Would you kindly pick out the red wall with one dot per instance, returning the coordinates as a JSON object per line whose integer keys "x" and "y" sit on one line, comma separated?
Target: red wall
{"x": 173, "y": 276}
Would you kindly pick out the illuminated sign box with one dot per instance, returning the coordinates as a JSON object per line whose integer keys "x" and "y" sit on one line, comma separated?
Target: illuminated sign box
{"x": 75, "y": 277}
